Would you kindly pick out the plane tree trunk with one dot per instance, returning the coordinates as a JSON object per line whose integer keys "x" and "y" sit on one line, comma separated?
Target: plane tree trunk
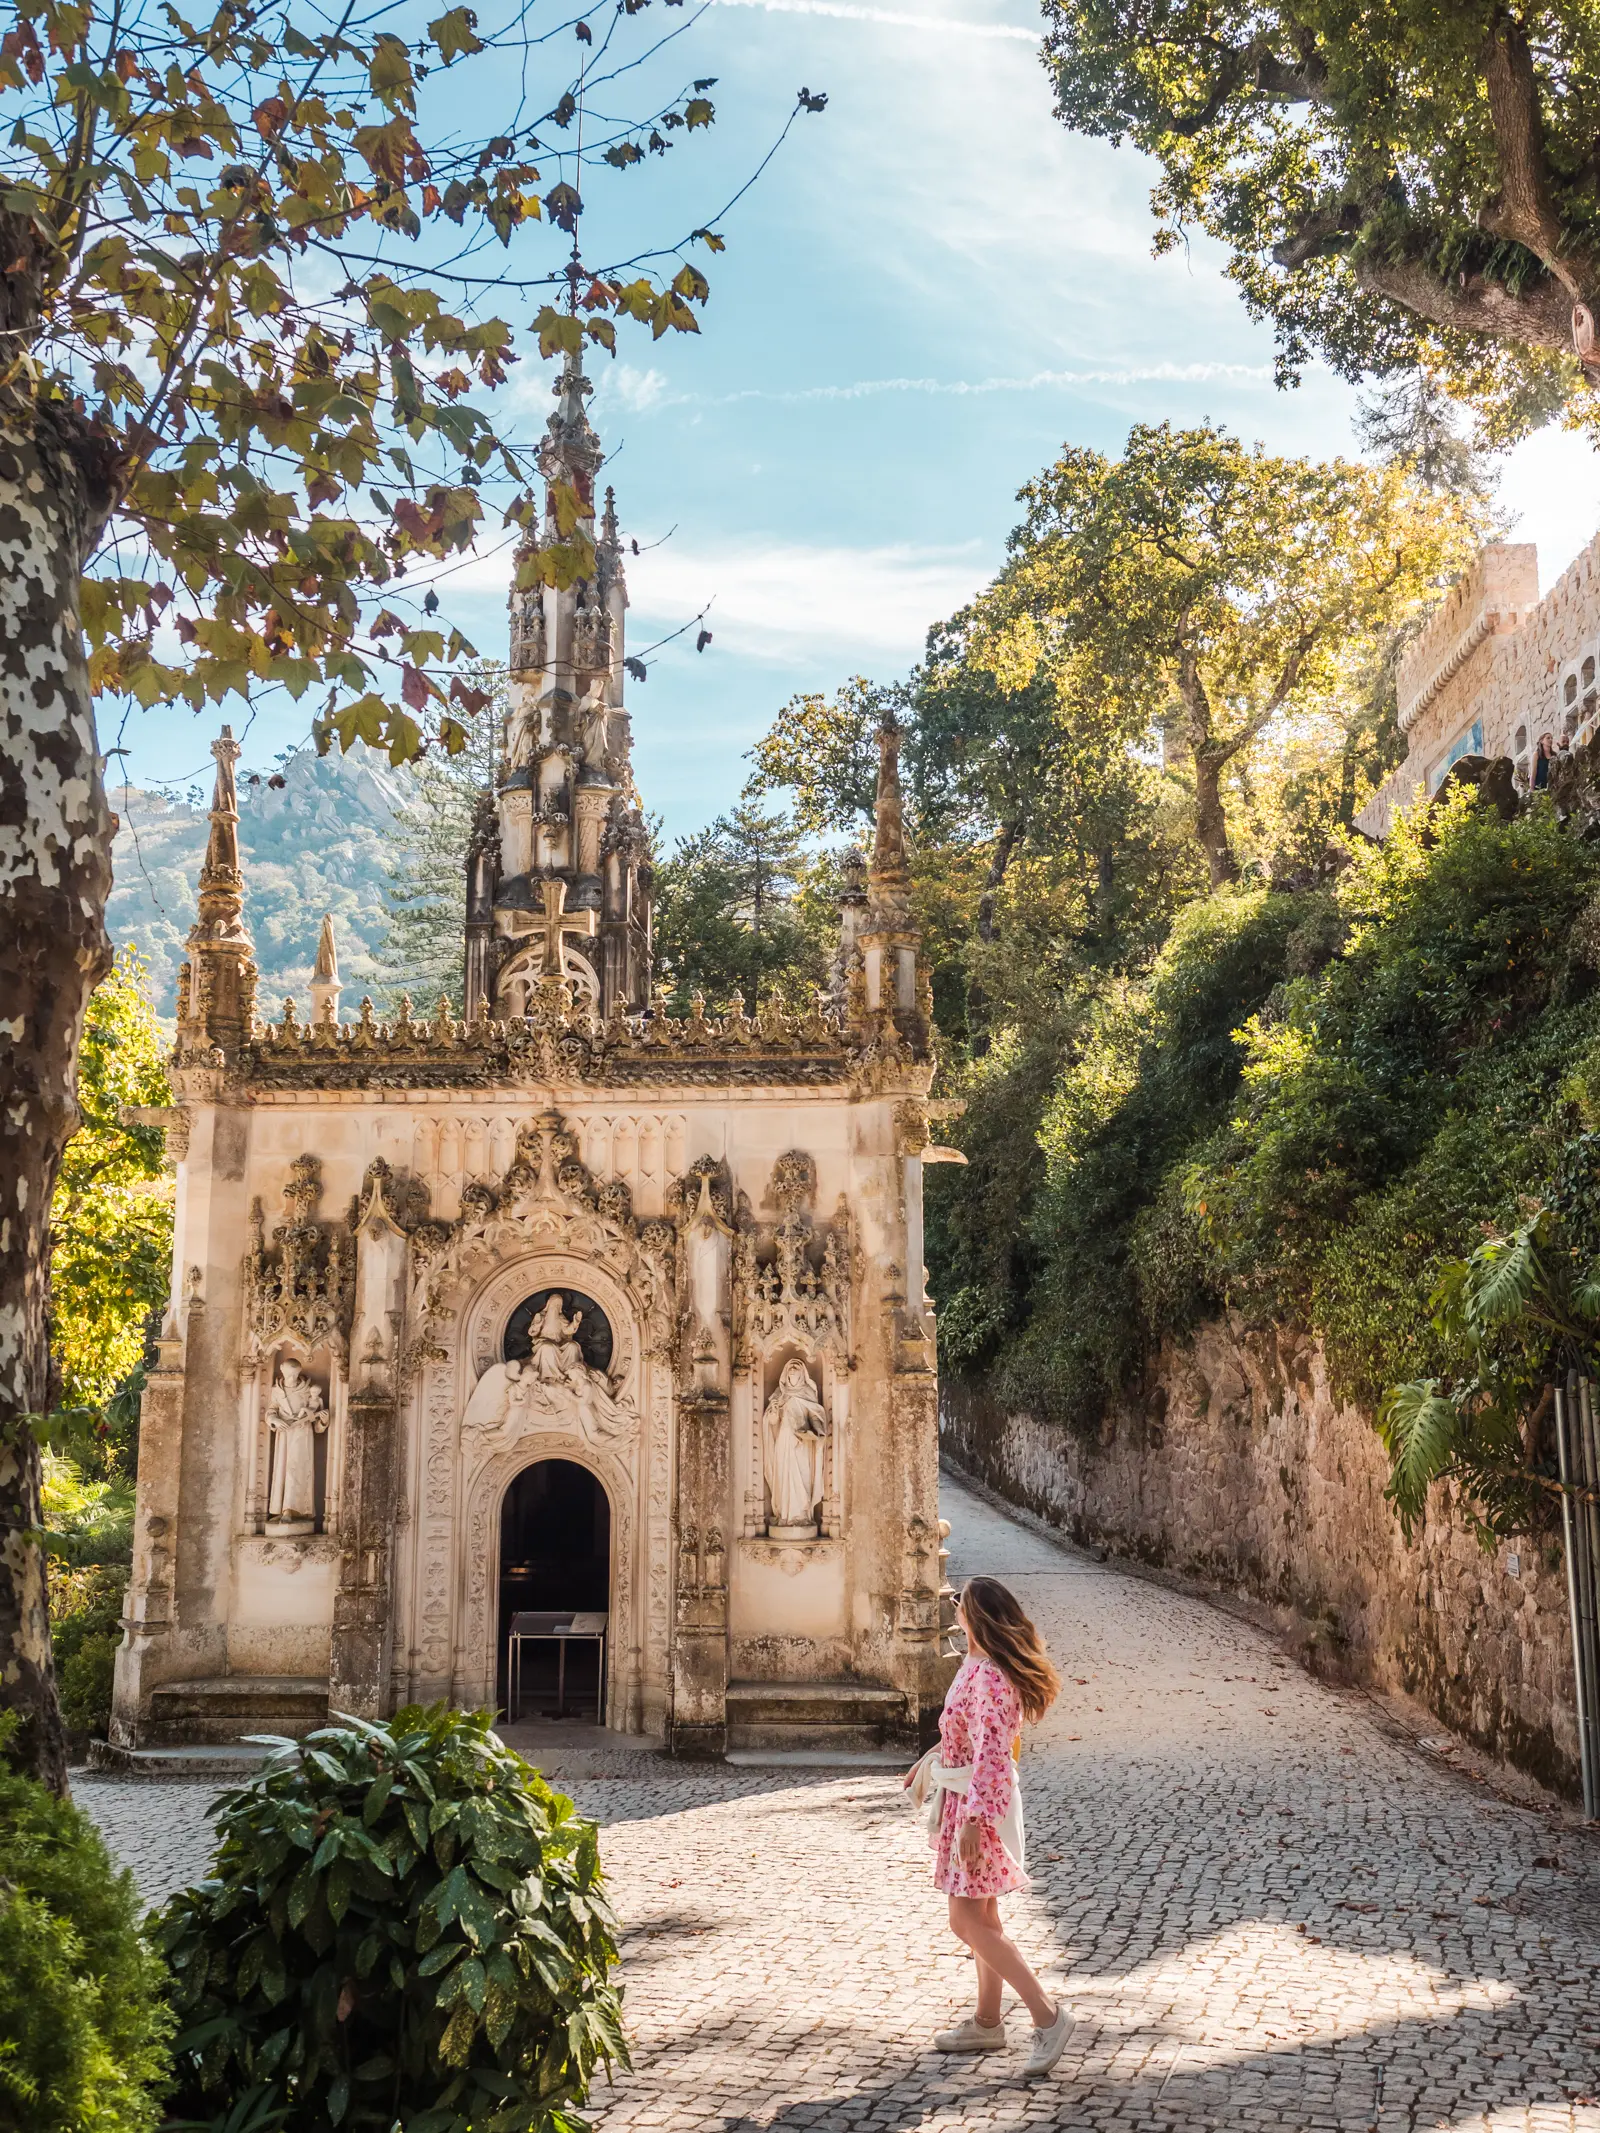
{"x": 55, "y": 873}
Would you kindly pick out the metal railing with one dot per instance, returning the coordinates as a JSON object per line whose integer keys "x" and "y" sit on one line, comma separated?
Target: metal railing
{"x": 1578, "y": 1453}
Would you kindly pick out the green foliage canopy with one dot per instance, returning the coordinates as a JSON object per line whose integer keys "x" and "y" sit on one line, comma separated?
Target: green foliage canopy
{"x": 1210, "y": 592}
{"x": 234, "y": 251}
{"x": 824, "y": 750}
{"x": 1396, "y": 184}
{"x": 739, "y": 908}
{"x": 1458, "y": 929}
{"x": 111, "y": 1221}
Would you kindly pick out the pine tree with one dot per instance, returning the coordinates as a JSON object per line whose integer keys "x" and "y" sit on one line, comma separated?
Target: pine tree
{"x": 423, "y": 953}
{"x": 726, "y": 915}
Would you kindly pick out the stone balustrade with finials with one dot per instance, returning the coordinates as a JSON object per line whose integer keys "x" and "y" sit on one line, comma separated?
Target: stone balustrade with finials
{"x": 563, "y": 1039}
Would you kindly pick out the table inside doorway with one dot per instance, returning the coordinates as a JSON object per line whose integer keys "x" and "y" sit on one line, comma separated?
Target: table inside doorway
{"x": 561, "y": 1628}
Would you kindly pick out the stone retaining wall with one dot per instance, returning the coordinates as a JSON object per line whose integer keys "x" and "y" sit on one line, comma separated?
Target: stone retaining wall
{"x": 1241, "y": 1469}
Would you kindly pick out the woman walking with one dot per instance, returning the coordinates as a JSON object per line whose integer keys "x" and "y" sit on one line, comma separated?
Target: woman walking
{"x": 969, "y": 1787}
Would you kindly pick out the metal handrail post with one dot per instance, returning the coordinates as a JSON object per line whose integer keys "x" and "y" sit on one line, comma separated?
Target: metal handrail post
{"x": 1590, "y": 1513}
{"x": 1580, "y": 1656}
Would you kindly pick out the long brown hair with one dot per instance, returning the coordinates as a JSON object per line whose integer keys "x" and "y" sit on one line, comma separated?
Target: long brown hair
{"x": 997, "y": 1627}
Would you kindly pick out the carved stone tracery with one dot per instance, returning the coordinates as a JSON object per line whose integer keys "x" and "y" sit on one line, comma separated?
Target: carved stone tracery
{"x": 791, "y": 1280}
{"x": 301, "y": 1286}
{"x": 546, "y": 1200}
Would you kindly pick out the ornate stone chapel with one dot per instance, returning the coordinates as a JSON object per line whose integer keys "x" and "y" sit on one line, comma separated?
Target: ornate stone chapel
{"x": 569, "y": 1303}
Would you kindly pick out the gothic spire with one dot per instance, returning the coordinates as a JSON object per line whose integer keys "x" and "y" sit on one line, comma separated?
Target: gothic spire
{"x": 325, "y": 986}
{"x": 571, "y": 452}
{"x": 217, "y": 987}
{"x": 565, "y": 807}
{"x": 888, "y": 875}
{"x": 221, "y": 882}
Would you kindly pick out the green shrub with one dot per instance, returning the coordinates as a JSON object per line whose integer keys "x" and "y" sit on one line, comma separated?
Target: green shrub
{"x": 85, "y": 1630}
{"x": 404, "y": 1926}
{"x": 1154, "y": 1069}
{"x": 83, "y": 2024}
{"x": 1314, "y": 1109}
{"x": 1458, "y": 940}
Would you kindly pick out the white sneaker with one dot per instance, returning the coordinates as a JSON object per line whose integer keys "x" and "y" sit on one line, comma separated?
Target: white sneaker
{"x": 972, "y": 2036}
{"x": 1049, "y": 2044}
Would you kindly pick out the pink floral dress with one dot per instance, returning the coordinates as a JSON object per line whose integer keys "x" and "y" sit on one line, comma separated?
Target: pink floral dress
{"x": 982, "y": 1716}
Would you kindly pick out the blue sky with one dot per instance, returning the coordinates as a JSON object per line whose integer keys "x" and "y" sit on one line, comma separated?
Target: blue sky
{"x": 932, "y": 289}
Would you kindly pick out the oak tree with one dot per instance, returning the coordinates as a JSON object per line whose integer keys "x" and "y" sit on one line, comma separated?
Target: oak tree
{"x": 1201, "y": 591}
{"x": 1394, "y": 183}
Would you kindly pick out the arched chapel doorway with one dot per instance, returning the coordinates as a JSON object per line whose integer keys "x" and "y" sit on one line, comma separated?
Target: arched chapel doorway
{"x": 555, "y": 1559}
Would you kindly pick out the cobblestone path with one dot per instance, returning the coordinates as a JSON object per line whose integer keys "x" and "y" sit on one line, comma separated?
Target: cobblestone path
{"x": 1263, "y": 1909}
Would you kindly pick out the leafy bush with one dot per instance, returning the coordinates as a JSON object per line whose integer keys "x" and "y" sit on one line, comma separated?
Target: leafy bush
{"x": 90, "y": 1536}
{"x": 111, "y": 1218}
{"x": 1315, "y": 1110}
{"x": 1112, "y": 1255}
{"x": 1458, "y": 937}
{"x": 83, "y": 2024}
{"x": 404, "y": 1926}
{"x": 85, "y": 1630}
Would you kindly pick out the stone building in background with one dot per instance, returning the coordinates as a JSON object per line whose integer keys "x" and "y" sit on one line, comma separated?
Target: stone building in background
{"x": 569, "y": 1307}
{"x": 1496, "y": 669}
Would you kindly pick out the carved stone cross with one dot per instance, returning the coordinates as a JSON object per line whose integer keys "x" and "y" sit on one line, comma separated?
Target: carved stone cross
{"x": 558, "y": 920}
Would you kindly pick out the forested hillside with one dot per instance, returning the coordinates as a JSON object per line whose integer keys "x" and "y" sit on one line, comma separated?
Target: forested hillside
{"x": 321, "y": 840}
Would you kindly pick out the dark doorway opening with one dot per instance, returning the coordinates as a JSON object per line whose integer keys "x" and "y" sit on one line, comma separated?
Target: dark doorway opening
{"x": 555, "y": 1558}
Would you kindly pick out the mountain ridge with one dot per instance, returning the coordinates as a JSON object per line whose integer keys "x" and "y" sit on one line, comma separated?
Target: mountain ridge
{"x": 324, "y": 840}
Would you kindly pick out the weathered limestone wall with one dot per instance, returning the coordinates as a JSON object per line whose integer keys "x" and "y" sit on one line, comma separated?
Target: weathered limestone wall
{"x": 1241, "y": 1469}
{"x": 1496, "y": 654}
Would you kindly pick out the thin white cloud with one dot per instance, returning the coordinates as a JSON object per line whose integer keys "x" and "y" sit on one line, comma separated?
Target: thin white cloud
{"x": 888, "y": 16}
{"x": 643, "y": 391}
{"x": 1038, "y": 381}
{"x": 829, "y": 603}
{"x": 637, "y": 390}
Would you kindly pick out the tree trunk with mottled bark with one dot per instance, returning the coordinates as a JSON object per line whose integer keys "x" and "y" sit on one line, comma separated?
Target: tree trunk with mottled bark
{"x": 1210, "y": 817}
{"x": 55, "y": 873}
{"x": 1210, "y": 757}
{"x": 1004, "y": 845}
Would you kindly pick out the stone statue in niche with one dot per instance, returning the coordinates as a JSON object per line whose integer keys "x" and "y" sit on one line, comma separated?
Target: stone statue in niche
{"x": 794, "y": 1430}
{"x": 296, "y": 1417}
{"x": 594, "y": 715}
{"x": 553, "y": 1386}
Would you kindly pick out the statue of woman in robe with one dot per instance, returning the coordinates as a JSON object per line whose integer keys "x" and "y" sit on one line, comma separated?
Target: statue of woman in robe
{"x": 296, "y": 1416}
{"x": 794, "y": 1428}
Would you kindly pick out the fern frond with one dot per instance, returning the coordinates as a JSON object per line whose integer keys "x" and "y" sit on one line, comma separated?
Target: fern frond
{"x": 1420, "y": 1427}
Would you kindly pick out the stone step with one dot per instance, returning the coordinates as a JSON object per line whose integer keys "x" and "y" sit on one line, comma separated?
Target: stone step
{"x": 218, "y": 1710}
{"x": 842, "y": 1717}
{"x": 897, "y": 1759}
{"x": 219, "y": 1763}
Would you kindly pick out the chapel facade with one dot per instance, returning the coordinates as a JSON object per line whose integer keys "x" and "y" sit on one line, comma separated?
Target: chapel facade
{"x": 661, "y": 1274}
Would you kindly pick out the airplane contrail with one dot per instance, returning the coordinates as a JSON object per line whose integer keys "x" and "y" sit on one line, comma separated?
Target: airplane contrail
{"x": 849, "y": 13}
{"x": 1145, "y": 374}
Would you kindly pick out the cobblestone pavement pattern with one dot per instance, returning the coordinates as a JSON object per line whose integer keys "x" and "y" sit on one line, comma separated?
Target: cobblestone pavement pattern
{"x": 1262, "y": 1909}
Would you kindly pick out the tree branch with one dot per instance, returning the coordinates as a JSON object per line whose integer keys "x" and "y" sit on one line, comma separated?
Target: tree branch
{"x": 1542, "y": 318}
{"x": 1524, "y": 210}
